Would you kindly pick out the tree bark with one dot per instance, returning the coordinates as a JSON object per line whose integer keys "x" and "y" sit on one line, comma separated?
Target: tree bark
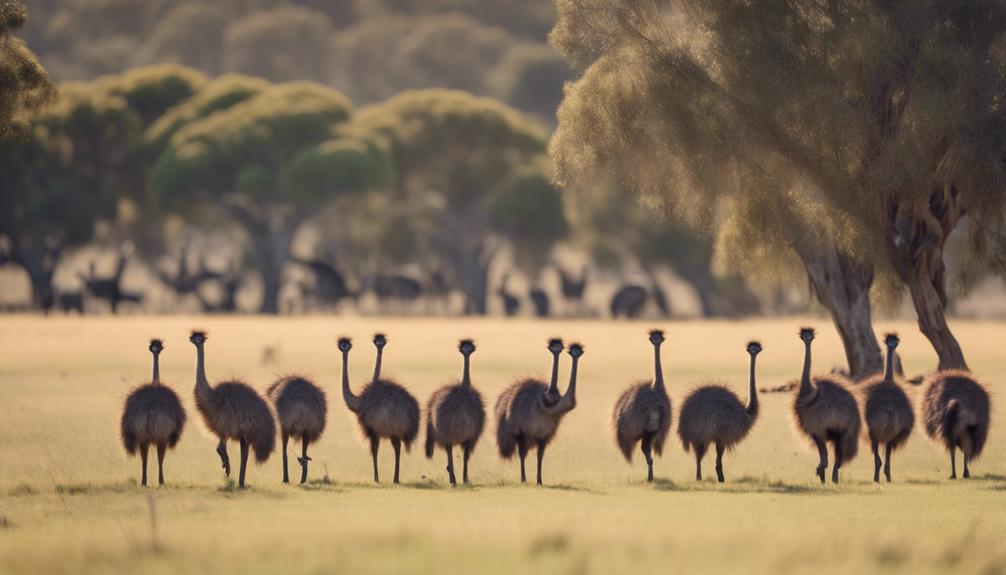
{"x": 920, "y": 232}
{"x": 843, "y": 287}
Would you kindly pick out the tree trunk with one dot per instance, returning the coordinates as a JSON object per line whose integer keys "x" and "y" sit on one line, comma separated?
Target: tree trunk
{"x": 843, "y": 286}
{"x": 475, "y": 274}
{"x": 38, "y": 258}
{"x": 271, "y": 235}
{"x": 920, "y": 232}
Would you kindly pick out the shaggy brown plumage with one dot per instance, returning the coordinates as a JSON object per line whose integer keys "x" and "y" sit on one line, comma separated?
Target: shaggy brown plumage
{"x": 714, "y": 415}
{"x": 152, "y": 415}
{"x": 955, "y": 411}
{"x": 643, "y": 413}
{"x": 233, "y": 410}
{"x": 887, "y": 411}
{"x": 528, "y": 412}
{"x": 825, "y": 411}
{"x": 384, "y": 409}
{"x": 301, "y": 408}
{"x": 455, "y": 415}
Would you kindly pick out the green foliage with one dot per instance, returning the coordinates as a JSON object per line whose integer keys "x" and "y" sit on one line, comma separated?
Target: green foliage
{"x": 24, "y": 85}
{"x": 531, "y": 77}
{"x": 286, "y": 43}
{"x": 336, "y": 166}
{"x": 244, "y": 148}
{"x": 529, "y": 211}
{"x": 152, "y": 91}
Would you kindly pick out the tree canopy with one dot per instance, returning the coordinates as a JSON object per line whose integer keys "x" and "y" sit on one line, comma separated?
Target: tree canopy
{"x": 24, "y": 85}
{"x": 842, "y": 133}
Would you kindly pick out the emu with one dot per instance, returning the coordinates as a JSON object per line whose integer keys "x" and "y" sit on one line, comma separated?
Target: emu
{"x": 455, "y": 415}
{"x": 302, "y": 409}
{"x": 825, "y": 412}
{"x": 643, "y": 413}
{"x": 233, "y": 410}
{"x": 955, "y": 410}
{"x": 888, "y": 413}
{"x": 152, "y": 415}
{"x": 713, "y": 414}
{"x": 528, "y": 412}
{"x": 384, "y": 409}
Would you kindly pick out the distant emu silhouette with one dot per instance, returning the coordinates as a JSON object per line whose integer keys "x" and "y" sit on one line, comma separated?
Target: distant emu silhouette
{"x": 384, "y": 409}
{"x": 233, "y": 410}
{"x": 110, "y": 288}
{"x": 573, "y": 288}
{"x": 826, "y": 411}
{"x": 712, "y": 414}
{"x": 396, "y": 288}
{"x": 455, "y": 415}
{"x": 887, "y": 411}
{"x": 301, "y": 408}
{"x": 629, "y": 301}
{"x": 330, "y": 286}
{"x": 511, "y": 305}
{"x": 540, "y": 301}
{"x": 955, "y": 410}
{"x": 152, "y": 415}
{"x": 643, "y": 413}
{"x": 528, "y": 412}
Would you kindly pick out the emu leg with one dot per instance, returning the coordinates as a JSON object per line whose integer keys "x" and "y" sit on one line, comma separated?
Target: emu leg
{"x": 224, "y": 459}
{"x": 720, "y": 448}
{"x": 646, "y": 447}
{"x": 966, "y": 456}
{"x": 286, "y": 474}
{"x": 161, "y": 450}
{"x": 244, "y": 464}
{"x": 822, "y": 452}
{"x": 887, "y": 463}
{"x": 522, "y": 453}
{"x": 397, "y": 444}
{"x": 467, "y": 454}
{"x": 875, "y": 445}
{"x": 303, "y": 459}
{"x": 375, "y": 443}
{"x": 450, "y": 464}
{"x": 541, "y": 455}
{"x": 953, "y": 463}
{"x": 838, "y": 460}
{"x": 700, "y": 452}
{"x": 143, "y": 461}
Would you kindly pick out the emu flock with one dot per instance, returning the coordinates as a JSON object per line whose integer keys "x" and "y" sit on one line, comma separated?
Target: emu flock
{"x": 827, "y": 409}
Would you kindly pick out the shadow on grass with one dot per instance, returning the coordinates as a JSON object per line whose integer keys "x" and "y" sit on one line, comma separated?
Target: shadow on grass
{"x": 741, "y": 485}
{"x": 86, "y": 488}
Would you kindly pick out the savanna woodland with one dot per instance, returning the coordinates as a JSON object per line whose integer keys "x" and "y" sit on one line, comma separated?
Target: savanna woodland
{"x": 490, "y": 175}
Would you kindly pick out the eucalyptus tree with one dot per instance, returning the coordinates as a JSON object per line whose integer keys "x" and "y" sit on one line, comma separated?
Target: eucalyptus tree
{"x": 849, "y": 137}
{"x": 24, "y": 85}
{"x": 459, "y": 162}
{"x": 270, "y": 161}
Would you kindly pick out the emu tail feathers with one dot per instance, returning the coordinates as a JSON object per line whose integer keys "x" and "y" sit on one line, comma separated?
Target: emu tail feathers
{"x": 429, "y": 438}
{"x": 507, "y": 443}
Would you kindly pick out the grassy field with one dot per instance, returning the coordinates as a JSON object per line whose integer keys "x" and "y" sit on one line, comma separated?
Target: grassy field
{"x": 70, "y": 500}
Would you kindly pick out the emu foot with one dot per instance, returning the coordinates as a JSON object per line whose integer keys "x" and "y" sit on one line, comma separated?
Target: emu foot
{"x": 303, "y": 468}
{"x": 719, "y": 474}
{"x": 820, "y": 473}
{"x": 953, "y": 475}
{"x": 967, "y": 474}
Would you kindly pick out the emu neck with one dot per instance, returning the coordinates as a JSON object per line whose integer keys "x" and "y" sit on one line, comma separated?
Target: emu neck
{"x": 466, "y": 377}
{"x": 156, "y": 377}
{"x": 805, "y": 387}
{"x": 658, "y": 371}
{"x": 203, "y": 388}
{"x": 553, "y": 385}
{"x": 752, "y": 408}
{"x": 377, "y": 364}
{"x": 352, "y": 401}
{"x": 889, "y": 368}
{"x": 569, "y": 398}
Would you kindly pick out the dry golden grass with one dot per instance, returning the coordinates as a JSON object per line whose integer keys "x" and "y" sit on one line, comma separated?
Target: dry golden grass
{"x": 70, "y": 503}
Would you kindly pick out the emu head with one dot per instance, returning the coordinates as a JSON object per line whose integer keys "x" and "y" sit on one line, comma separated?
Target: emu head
{"x": 754, "y": 347}
{"x": 156, "y": 346}
{"x": 656, "y": 336}
{"x": 380, "y": 340}
{"x": 891, "y": 340}
{"x": 575, "y": 350}
{"x": 345, "y": 344}
{"x": 807, "y": 334}
{"x": 198, "y": 337}
{"x": 555, "y": 346}
{"x": 466, "y": 347}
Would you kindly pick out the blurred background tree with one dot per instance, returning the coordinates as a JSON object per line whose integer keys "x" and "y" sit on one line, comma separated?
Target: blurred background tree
{"x": 25, "y": 87}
